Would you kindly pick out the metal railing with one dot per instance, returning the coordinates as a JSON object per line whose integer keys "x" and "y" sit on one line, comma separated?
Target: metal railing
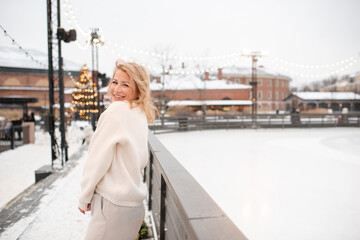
{"x": 12, "y": 137}
{"x": 181, "y": 207}
{"x": 187, "y": 123}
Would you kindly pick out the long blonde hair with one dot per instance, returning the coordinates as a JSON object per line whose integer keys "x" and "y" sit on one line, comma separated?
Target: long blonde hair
{"x": 140, "y": 76}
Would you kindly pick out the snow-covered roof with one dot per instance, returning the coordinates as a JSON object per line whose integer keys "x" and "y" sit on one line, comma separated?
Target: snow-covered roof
{"x": 243, "y": 71}
{"x": 209, "y": 102}
{"x": 66, "y": 91}
{"x": 327, "y": 95}
{"x": 12, "y": 57}
{"x": 189, "y": 82}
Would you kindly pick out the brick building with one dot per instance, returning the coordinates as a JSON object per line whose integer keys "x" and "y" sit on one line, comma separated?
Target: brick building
{"x": 19, "y": 76}
{"x": 190, "y": 93}
{"x": 272, "y": 88}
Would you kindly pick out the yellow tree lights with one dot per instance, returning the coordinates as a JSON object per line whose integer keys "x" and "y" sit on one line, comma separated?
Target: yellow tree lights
{"x": 84, "y": 96}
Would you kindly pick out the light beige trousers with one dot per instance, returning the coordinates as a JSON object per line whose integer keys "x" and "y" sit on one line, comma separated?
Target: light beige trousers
{"x": 112, "y": 222}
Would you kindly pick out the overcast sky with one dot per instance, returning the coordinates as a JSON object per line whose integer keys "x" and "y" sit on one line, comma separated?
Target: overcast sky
{"x": 307, "y": 32}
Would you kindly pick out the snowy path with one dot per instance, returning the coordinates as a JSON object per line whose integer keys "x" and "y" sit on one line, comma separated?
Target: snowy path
{"x": 57, "y": 216}
{"x": 279, "y": 183}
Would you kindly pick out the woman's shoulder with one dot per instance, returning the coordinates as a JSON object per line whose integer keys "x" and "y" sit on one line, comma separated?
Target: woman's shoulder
{"x": 119, "y": 106}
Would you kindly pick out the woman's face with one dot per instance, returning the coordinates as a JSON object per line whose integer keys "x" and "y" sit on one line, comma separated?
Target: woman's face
{"x": 122, "y": 88}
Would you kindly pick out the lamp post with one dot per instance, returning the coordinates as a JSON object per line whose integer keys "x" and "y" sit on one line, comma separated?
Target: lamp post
{"x": 95, "y": 42}
{"x": 66, "y": 36}
{"x": 255, "y": 55}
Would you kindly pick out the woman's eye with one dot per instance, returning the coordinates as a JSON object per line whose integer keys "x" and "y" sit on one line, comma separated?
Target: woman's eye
{"x": 114, "y": 82}
{"x": 125, "y": 85}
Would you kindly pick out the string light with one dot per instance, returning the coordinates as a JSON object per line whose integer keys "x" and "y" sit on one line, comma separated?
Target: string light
{"x": 339, "y": 66}
{"x": 26, "y": 53}
{"x": 230, "y": 59}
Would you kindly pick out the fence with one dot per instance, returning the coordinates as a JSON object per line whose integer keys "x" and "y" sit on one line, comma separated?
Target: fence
{"x": 186, "y": 123}
{"x": 181, "y": 207}
{"x": 13, "y": 136}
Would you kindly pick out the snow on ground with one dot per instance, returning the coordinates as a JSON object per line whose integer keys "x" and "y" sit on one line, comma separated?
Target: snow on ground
{"x": 278, "y": 183}
{"x": 17, "y": 167}
{"x": 58, "y": 216}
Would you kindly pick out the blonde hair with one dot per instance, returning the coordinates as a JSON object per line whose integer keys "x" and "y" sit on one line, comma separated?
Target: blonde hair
{"x": 140, "y": 76}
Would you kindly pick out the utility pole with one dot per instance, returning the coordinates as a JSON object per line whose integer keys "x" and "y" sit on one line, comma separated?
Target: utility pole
{"x": 254, "y": 83}
{"x": 64, "y": 146}
{"x": 255, "y": 55}
{"x": 67, "y": 37}
{"x": 51, "y": 125}
{"x": 95, "y": 41}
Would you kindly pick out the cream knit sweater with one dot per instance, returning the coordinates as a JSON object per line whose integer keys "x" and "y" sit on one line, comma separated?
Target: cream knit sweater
{"x": 118, "y": 152}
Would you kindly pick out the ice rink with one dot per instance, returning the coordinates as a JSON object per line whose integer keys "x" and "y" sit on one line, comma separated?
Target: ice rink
{"x": 279, "y": 183}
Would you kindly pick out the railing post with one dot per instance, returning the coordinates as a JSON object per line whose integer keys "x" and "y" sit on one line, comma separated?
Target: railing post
{"x": 150, "y": 179}
{"x": 12, "y": 137}
{"x": 162, "y": 209}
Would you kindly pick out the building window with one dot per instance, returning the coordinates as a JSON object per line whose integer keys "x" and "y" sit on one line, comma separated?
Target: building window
{"x": 259, "y": 95}
{"x": 259, "y": 106}
{"x": 276, "y": 83}
{"x": 269, "y": 95}
{"x": 260, "y": 82}
{"x": 276, "y": 95}
{"x": 237, "y": 80}
{"x": 248, "y": 81}
{"x": 269, "y": 82}
{"x": 250, "y": 95}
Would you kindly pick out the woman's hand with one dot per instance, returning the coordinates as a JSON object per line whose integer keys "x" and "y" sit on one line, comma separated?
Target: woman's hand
{"x": 88, "y": 209}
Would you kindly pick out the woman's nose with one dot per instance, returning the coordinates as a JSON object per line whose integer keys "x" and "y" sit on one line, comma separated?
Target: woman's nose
{"x": 118, "y": 88}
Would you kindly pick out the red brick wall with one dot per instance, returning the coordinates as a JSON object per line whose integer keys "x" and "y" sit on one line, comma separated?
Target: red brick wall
{"x": 281, "y": 88}
{"x": 233, "y": 94}
{"x": 30, "y": 80}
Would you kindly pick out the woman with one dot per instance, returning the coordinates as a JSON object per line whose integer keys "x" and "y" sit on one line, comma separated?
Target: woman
{"x": 112, "y": 186}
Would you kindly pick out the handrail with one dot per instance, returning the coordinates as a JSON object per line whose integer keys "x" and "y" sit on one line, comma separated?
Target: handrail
{"x": 186, "y": 123}
{"x": 181, "y": 208}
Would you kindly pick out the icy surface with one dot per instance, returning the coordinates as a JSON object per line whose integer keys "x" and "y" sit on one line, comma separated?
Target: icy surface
{"x": 279, "y": 184}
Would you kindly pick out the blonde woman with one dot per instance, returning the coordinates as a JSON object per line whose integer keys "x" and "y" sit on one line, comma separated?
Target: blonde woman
{"x": 112, "y": 187}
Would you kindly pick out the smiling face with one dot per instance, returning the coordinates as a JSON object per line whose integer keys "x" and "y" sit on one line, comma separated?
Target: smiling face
{"x": 122, "y": 88}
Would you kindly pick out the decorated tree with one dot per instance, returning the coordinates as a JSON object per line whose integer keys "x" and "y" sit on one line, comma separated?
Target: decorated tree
{"x": 84, "y": 96}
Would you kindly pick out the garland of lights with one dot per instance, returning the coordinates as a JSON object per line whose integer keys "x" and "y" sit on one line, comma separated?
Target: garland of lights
{"x": 341, "y": 65}
{"x": 27, "y": 54}
{"x": 232, "y": 59}
{"x": 44, "y": 66}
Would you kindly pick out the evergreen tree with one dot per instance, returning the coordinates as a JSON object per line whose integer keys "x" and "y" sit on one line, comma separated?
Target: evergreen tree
{"x": 84, "y": 96}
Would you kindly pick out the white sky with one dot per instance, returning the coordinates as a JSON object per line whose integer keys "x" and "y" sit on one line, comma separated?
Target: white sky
{"x": 302, "y": 32}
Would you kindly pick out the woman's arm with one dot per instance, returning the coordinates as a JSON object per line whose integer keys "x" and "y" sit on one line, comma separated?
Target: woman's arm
{"x": 101, "y": 151}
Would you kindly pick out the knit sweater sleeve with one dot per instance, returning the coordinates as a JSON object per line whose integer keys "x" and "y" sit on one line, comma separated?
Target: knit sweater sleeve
{"x": 110, "y": 131}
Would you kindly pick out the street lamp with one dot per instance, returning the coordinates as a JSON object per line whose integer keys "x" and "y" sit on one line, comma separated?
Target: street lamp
{"x": 255, "y": 55}
{"x": 95, "y": 42}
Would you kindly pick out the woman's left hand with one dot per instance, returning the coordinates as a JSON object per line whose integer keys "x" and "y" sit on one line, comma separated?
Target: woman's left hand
{"x": 88, "y": 209}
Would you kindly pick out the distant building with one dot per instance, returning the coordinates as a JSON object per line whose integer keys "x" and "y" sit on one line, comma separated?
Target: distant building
{"x": 336, "y": 101}
{"x": 19, "y": 76}
{"x": 189, "y": 93}
{"x": 272, "y": 87}
{"x": 348, "y": 84}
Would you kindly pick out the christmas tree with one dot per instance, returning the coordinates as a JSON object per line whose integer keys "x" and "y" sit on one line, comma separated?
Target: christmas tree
{"x": 85, "y": 95}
